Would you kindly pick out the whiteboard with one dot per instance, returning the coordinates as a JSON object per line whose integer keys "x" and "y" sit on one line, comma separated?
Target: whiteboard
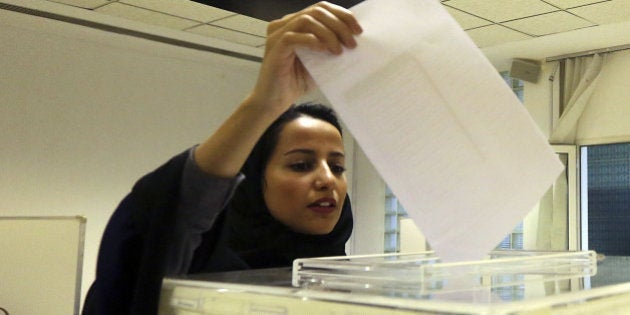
{"x": 41, "y": 261}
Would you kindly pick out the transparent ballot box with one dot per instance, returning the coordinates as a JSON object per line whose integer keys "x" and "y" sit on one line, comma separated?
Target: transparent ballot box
{"x": 514, "y": 282}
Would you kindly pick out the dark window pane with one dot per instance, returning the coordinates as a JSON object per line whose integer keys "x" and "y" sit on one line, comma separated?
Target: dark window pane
{"x": 609, "y": 199}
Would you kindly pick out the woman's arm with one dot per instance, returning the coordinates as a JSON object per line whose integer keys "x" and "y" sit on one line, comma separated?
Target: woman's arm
{"x": 137, "y": 247}
{"x": 281, "y": 81}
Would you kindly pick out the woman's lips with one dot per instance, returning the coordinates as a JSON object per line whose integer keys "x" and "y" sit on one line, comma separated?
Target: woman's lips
{"x": 324, "y": 205}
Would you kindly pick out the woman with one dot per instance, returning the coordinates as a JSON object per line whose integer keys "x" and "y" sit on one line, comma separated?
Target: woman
{"x": 267, "y": 187}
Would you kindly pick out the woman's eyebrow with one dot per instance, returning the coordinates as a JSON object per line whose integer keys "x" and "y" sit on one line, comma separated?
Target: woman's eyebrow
{"x": 302, "y": 151}
{"x": 312, "y": 152}
{"x": 337, "y": 154}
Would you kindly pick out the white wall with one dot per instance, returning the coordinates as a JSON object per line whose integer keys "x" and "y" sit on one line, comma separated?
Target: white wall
{"x": 537, "y": 97}
{"x": 85, "y": 113}
{"x": 369, "y": 207}
{"x": 30, "y": 286}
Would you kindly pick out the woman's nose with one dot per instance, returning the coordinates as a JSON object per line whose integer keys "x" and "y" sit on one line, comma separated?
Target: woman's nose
{"x": 325, "y": 177}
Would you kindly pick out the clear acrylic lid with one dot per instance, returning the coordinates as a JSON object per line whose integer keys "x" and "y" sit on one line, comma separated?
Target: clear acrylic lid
{"x": 422, "y": 273}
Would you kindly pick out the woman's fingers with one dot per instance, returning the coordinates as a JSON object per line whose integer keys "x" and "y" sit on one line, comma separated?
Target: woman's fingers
{"x": 321, "y": 27}
{"x": 313, "y": 28}
{"x": 338, "y": 19}
{"x": 333, "y": 25}
{"x": 341, "y": 13}
{"x": 344, "y": 15}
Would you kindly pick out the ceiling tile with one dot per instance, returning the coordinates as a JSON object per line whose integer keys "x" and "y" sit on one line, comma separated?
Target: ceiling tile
{"x": 87, "y": 4}
{"x": 520, "y": 17}
{"x": 146, "y": 16}
{"x": 244, "y": 24}
{"x": 465, "y": 20}
{"x": 494, "y": 34}
{"x": 182, "y": 8}
{"x": 228, "y": 35}
{"x": 605, "y": 12}
{"x": 565, "y": 4}
{"x": 550, "y": 23}
{"x": 504, "y": 10}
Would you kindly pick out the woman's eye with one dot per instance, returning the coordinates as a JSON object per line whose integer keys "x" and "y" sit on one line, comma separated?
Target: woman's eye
{"x": 337, "y": 169}
{"x": 300, "y": 167}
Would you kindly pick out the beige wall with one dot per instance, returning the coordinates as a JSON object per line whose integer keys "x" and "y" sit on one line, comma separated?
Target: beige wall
{"x": 85, "y": 113}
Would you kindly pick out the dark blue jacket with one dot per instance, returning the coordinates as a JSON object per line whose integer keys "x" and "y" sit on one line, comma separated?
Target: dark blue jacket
{"x": 132, "y": 257}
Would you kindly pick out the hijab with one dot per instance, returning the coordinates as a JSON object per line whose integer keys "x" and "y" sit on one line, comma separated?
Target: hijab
{"x": 247, "y": 236}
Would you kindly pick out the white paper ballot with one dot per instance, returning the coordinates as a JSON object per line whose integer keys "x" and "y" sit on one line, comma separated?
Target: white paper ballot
{"x": 443, "y": 129}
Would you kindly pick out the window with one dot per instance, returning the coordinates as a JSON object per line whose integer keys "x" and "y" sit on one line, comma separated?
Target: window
{"x": 516, "y": 84}
{"x": 514, "y": 240}
{"x": 606, "y": 198}
{"x": 393, "y": 212}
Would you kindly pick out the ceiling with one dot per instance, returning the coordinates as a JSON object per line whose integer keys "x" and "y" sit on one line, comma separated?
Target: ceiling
{"x": 269, "y": 9}
{"x": 488, "y": 22}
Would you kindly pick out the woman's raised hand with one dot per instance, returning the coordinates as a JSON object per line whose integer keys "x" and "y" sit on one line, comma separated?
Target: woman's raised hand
{"x": 281, "y": 81}
{"x": 321, "y": 27}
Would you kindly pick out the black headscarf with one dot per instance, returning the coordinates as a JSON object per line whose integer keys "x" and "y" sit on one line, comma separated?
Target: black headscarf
{"x": 247, "y": 236}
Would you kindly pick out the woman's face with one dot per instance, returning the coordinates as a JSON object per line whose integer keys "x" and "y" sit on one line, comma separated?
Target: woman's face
{"x": 304, "y": 183}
